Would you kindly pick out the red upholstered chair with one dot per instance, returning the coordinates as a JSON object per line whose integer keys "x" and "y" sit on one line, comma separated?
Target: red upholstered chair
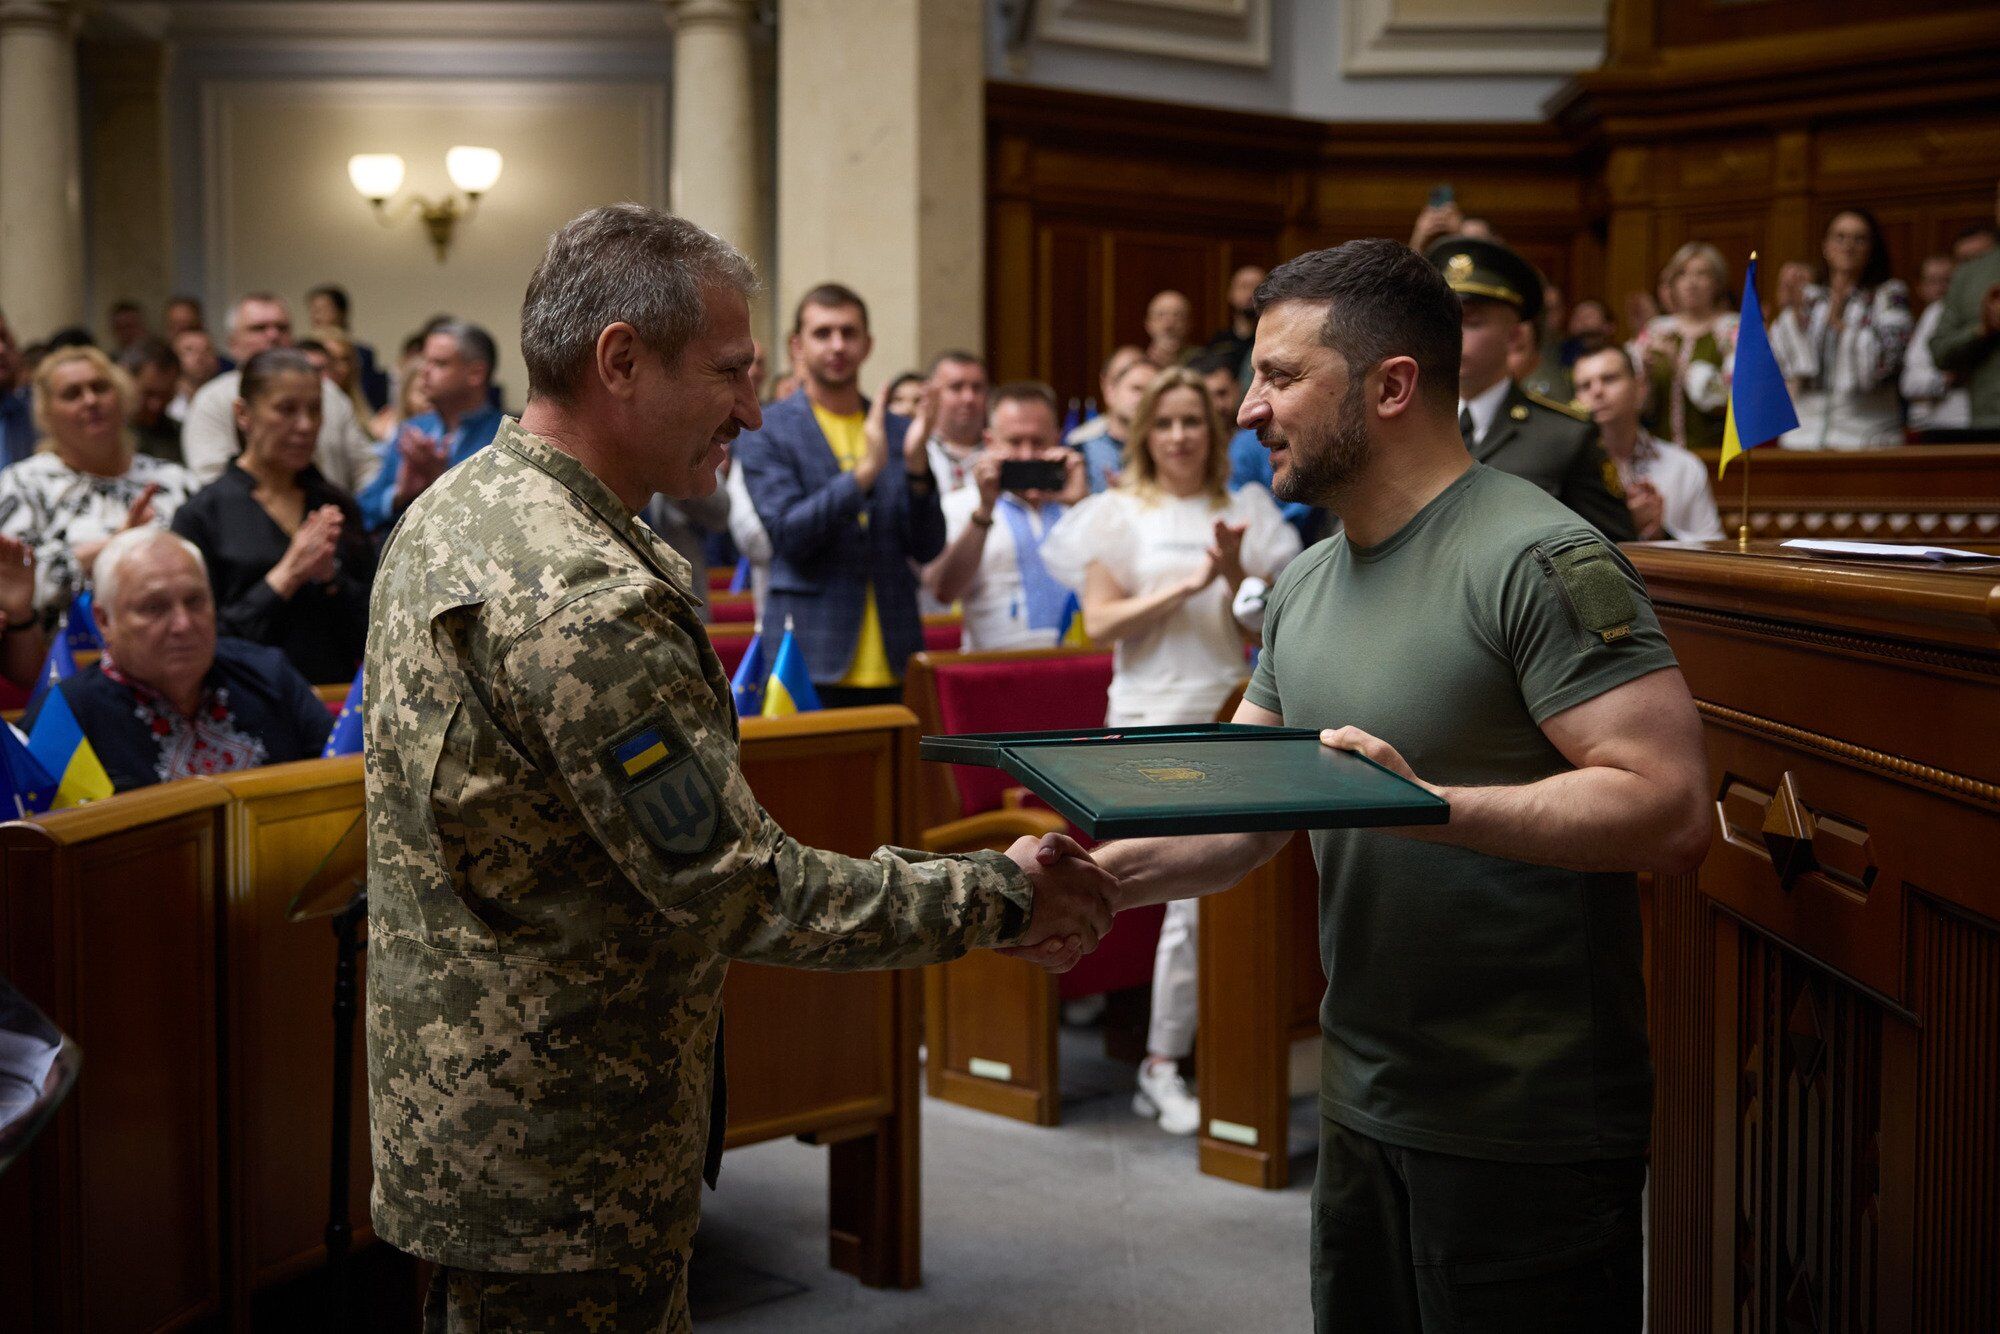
{"x": 732, "y": 609}
{"x": 732, "y": 641}
{"x": 944, "y": 633}
{"x": 991, "y": 1021}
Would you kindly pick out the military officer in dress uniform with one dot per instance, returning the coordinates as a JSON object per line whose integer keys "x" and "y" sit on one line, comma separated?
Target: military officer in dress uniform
{"x": 1515, "y": 430}
{"x": 563, "y": 853}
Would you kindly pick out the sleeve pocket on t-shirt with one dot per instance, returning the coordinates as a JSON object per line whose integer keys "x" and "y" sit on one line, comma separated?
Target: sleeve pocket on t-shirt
{"x": 1592, "y": 586}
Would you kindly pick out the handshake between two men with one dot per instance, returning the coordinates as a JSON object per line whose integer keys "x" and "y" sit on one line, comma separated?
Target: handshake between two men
{"x": 1075, "y": 901}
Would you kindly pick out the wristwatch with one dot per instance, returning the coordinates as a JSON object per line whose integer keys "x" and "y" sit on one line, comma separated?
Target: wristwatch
{"x": 983, "y": 520}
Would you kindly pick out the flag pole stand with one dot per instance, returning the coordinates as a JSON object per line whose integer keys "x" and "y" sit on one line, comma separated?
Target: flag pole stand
{"x": 1743, "y": 515}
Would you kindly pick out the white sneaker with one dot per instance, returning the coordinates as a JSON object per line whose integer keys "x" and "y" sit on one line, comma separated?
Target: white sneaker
{"x": 1163, "y": 1094}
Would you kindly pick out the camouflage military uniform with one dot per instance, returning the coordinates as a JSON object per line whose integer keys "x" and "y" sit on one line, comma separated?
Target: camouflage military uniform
{"x": 562, "y": 855}
{"x": 1555, "y": 446}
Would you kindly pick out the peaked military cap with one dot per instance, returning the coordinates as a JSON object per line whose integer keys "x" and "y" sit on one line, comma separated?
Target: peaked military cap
{"x": 1475, "y": 267}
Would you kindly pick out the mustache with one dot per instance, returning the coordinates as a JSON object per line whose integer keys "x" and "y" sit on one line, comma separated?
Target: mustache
{"x": 1268, "y": 435}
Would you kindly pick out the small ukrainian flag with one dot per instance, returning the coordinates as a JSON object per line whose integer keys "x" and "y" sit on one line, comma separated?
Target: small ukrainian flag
{"x": 640, "y": 753}
{"x": 57, "y": 742}
{"x": 346, "y": 736}
{"x": 790, "y": 689}
{"x": 1071, "y": 634}
{"x": 1760, "y": 405}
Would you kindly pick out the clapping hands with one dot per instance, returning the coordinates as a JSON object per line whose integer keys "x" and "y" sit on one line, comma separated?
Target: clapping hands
{"x": 17, "y": 582}
{"x": 421, "y": 460}
{"x": 314, "y": 555}
{"x": 1075, "y": 900}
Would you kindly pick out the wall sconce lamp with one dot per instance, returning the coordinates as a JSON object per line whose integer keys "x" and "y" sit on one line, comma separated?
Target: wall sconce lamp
{"x": 377, "y": 176}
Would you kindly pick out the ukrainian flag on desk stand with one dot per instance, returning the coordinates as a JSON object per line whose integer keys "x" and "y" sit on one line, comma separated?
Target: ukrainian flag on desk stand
{"x": 790, "y": 689}
{"x": 1760, "y": 406}
{"x": 1071, "y": 633}
{"x": 25, "y": 786}
{"x": 345, "y": 738}
{"x": 56, "y": 739}
{"x": 747, "y": 686}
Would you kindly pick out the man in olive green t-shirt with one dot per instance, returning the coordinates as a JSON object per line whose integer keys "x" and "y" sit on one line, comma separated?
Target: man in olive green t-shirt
{"x": 1486, "y": 1091}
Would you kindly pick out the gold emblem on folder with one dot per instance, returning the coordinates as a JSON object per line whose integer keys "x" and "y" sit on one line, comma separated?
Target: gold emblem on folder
{"x": 1177, "y": 775}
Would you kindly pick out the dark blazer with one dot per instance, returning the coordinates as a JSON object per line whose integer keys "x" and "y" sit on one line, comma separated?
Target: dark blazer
{"x": 822, "y": 557}
{"x": 1555, "y": 447}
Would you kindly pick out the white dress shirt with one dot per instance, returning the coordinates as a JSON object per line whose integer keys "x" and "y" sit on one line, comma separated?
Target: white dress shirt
{"x": 1485, "y": 408}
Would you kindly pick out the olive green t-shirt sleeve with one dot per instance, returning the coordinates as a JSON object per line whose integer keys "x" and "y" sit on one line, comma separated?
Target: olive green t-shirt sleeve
{"x": 1574, "y": 619}
{"x": 1263, "y": 688}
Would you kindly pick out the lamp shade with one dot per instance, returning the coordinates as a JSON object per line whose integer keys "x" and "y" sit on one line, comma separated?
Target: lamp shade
{"x": 376, "y": 175}
{"x": 473, "y": 170}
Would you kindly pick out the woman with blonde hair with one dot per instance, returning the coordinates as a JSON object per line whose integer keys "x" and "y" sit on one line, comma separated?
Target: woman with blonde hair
{"x": 343, "y": 368}
{"x": 1688, "y": 357}
{"x": 87, "y": 482}
{"x": 1161, "y": 561}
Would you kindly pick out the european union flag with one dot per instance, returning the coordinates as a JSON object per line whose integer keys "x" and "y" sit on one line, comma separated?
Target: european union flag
{"x": 80, "y": 626}
{"x": 57, "y": 667}
{"x": 345, "y": 739}
{"x": 28, "y": 786}
{"x": 790, "y": 689}
{"x": 748, "y": 683}
{"x": 1760, "y": 406}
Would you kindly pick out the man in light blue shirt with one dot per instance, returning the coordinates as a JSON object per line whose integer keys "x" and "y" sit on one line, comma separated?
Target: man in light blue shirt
{"x": 457, "y": 368}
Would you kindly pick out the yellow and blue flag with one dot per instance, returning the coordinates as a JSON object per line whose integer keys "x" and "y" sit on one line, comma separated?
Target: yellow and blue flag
{"x": 747, "y": 686}
{"x": 790, "y": 689}
{"x": 345, "y": 738}
{"x": 26, "y": 788}
{"x": 57, "y": 742}
{"x": 1072, "y": 635}
{"x": 1760, "y": 406}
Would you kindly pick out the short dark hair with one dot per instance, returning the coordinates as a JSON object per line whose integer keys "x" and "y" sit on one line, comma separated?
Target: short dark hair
{"x": 1026, "y": 391}
{"x": 268, "y": 365}
{"x": 952, "y": 356}
{"x": 1383, "y": 300}
{"x": 829, "y": 296}
{"x": 148, "y": 353}
{"x": 1624, "y": 355}
{"x": 474, "y": 343}
{"x": 127, "y": 306}
{"x": 1208, "y": 363}
{"x": 1978, "y": 229}
{"x": 313, "y": 345}
{"x": 74, "y": 335}
{"x": 333, "y": 293}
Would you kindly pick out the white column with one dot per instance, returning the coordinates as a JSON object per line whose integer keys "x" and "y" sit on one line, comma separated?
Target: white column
{"x": 41, "y": 204}
{"x": 882, "y": 167}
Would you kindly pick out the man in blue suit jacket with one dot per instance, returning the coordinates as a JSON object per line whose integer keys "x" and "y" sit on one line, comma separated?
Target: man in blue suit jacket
{"x": 851, "y": 509}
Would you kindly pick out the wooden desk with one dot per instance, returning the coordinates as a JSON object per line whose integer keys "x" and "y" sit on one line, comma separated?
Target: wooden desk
{"x": 1947, "y": 494}
{"x": 1825, "y": 1004}
{"x": 848, "y": 1077}
{"x": 113, "y": 1219}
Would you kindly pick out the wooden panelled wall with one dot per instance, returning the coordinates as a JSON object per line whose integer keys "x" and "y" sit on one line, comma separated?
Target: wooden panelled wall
{"x": 1748, "y": 141}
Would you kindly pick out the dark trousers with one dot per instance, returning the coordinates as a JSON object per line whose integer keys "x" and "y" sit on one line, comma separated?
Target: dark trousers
{"x": 1407, "y": 1240}
{"x": 855, "y": 697}
{"x": 598, "y": 1301}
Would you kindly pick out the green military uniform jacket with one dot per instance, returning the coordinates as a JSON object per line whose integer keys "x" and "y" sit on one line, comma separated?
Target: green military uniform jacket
{"x": 1961, "y": 345}
{"x": 562, "y": 855}
{"x": 1555, "y": 447}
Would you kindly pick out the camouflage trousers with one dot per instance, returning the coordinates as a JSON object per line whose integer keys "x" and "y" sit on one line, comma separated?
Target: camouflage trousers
{"x": 629, "y": 1300}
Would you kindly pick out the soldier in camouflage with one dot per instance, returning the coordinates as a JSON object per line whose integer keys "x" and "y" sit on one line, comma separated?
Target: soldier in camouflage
{"x": 563, "y": 853}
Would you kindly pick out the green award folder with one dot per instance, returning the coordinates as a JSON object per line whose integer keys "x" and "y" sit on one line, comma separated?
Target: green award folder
{"x": 1204, "y": 778}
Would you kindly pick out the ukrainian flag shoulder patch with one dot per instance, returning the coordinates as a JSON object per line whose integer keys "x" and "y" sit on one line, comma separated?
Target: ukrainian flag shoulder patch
{"x": 640, "y": 752}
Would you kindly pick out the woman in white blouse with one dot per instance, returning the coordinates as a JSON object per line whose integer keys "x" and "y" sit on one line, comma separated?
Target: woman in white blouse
{"x": 1159, "y": 559}
{"x": 88, "y": 482}
{"x": 1841, "y": 343}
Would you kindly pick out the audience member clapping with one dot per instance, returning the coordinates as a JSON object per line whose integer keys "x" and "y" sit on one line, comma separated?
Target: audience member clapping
{"x": 288, "y": 561}
{"x": 168, "y": 699}
{"x": 1840, "y": 343}
{"x": 457, "y": 371}
{"x": 257, "y": 323}
{"x": 1666, "y": 486}
{"x": 1689, "y": 356}
{"x": 89, "y": 482}
{"x": 155, "y": 373}
{"x": 23, "y": 635}
{"x": 17, "y": 413}
{"x": 1160, "y": 561}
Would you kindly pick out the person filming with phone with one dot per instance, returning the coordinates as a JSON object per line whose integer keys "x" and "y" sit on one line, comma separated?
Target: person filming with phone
{"x": 1024, "y": 480}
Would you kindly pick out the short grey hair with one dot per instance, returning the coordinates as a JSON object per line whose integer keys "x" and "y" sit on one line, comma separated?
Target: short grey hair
{"x": 260, "y": 298}
{"x": 620, "y": 263}
{"x": 104, "y": 573}
{"x": 474, "y": 343}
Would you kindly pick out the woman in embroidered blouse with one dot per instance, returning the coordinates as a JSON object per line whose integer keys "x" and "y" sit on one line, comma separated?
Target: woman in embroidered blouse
{"x": 169, "y": 699}
{"x": 88, "y": 482}
{"x": 287, "y": 556}
{"x": 1689, "y": 356}
{"x": 1841, "y": 344}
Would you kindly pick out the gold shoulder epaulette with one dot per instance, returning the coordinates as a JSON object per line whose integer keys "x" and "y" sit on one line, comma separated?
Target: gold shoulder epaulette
{"x": 1567, "y": 409}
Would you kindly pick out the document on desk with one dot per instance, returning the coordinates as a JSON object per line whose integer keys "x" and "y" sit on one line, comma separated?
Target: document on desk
{"x": 1885, "y": 550}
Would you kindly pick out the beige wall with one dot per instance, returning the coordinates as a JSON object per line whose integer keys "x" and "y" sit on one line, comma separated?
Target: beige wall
{"x": 282, "y": 216}
{"x": 129, "y": 238}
